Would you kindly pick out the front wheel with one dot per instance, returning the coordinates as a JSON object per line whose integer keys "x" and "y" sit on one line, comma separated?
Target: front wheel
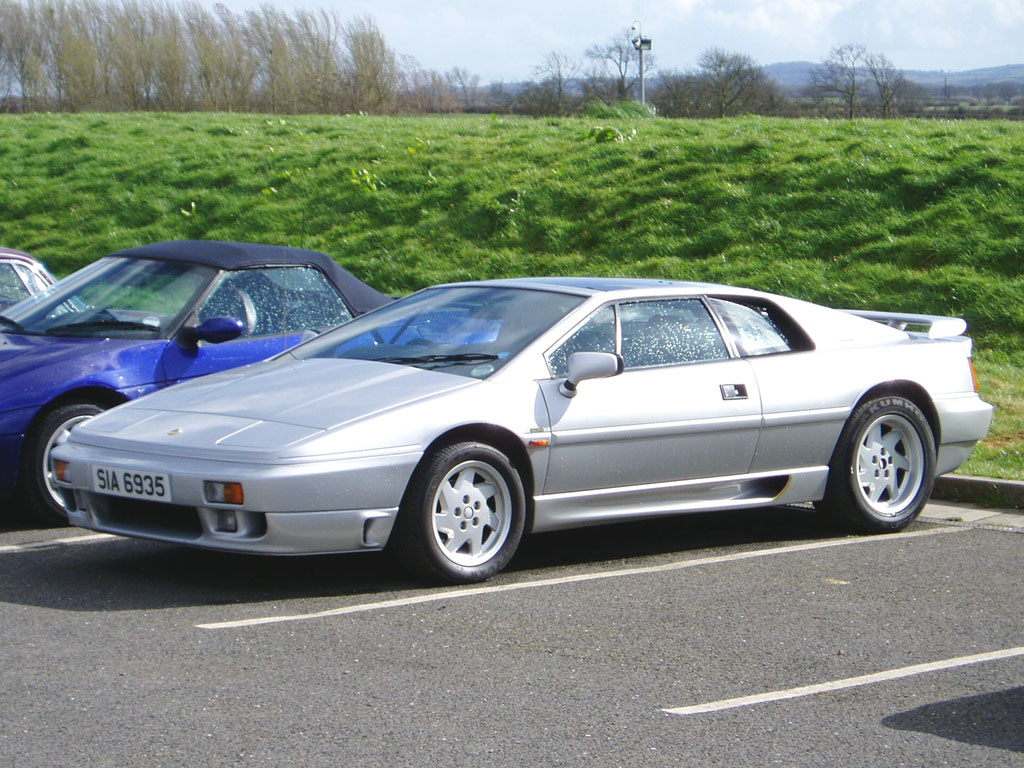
{"x": 39, "y": 495}
{"x": 883, "y": 467}
{"x": 462, "y": 516}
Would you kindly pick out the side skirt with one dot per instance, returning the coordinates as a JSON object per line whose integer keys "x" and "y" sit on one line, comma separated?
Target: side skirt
{"x": 557, "y": 511}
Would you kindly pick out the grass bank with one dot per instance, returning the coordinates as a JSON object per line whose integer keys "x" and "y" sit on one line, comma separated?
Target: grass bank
{"x": 896, "y": 215}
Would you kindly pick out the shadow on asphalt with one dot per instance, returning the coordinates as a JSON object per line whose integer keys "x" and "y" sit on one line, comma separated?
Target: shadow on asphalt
{"x": 128, "y": 574}
{"x": 990, "y": 720}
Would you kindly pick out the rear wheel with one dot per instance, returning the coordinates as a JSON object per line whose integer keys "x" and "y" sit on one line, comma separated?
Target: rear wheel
{"x": 39, "y": 495}
{"x": 462, "y": 516}
{"x": 883, "y": 468}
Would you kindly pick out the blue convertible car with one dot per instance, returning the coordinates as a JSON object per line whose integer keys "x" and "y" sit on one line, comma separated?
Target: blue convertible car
{"x": 142, "y": 319}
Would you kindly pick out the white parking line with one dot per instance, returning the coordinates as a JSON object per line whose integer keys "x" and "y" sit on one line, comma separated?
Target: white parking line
{"x": 452, "y": 594}
{"x": 89, "y": 539}
{"x": 849, "y": 682}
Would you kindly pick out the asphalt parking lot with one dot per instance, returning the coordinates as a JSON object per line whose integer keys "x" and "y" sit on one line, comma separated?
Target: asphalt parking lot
{"x": 736, "y": 639}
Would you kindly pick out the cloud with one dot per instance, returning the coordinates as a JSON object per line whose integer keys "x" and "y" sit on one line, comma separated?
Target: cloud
{"x": 685, "y": 7}
{"x": 783, "y": 18}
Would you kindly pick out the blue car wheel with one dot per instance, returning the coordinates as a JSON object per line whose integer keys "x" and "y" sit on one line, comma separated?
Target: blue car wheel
{"x": 40, "y": 499}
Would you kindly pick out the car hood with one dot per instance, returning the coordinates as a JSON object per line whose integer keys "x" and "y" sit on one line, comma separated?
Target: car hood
{"x": 33, "y": 369}
{"x": 264, "y": 406}
{"x": 18, "y": 352}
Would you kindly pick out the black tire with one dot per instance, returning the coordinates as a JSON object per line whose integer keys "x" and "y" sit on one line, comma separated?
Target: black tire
{"x": 465, "y": 538}
{"x": 40, "y": 502}
{"x": 883, "y": 467}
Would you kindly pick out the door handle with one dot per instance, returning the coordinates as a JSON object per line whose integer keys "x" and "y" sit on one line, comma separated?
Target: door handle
{"x": 734, "y": 391}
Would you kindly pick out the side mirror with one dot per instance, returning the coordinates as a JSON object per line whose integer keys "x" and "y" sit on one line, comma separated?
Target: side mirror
{"x": 589, "y": 365}
{"x": 215, "y": 330}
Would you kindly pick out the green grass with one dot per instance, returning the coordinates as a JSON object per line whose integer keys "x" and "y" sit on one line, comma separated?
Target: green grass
{"x": 916, "y": 216}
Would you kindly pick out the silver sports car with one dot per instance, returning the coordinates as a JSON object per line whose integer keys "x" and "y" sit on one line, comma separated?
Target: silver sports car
{"x": 447, "y": 424}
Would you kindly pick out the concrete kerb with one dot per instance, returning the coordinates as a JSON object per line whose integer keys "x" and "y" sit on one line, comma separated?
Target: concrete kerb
{"x": 982, "y": 491}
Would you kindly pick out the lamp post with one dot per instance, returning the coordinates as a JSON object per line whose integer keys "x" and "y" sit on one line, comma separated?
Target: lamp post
{"x": 641, "y": 44}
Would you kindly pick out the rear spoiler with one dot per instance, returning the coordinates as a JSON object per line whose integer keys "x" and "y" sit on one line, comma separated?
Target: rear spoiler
{"x": 936, "y": 326}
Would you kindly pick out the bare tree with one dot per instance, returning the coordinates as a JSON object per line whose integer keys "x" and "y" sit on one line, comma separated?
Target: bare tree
{"x": 838, "y": 75}
{"x": 23, "y": 51}
{"x": 79, "y": 64}
{"x": 466, "y": 84}
{"x": 552, "y": 94}
{"x": 889, "y": 81}
{"x": 315, "y": 39}
{"x": 678, "y": 94}
{"x": 500, "y": 97}
{"x": 6, "y": 73}
{"x": 269, "y": 32}
{"x": 734, "y": 83}
{"x": 618, "y": 58}
{"x": 369, "y": 67}
{"x": 427, "y": 91}
{"x": 172, "y": 74}
{"x": 912, "y": 98}
{"x": 132, "y": 52}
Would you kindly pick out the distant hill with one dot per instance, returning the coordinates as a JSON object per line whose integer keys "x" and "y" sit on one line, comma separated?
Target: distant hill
{"x": 791, "y": 74}
{"x": 1010, "y": 73}
{"x": 796, "y": 74}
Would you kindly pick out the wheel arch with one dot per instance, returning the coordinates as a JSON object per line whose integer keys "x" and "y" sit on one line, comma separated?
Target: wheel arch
{"x": 497, "y": 437}
{"x": 912, "y": 391}
{"x": 94, "y": 394}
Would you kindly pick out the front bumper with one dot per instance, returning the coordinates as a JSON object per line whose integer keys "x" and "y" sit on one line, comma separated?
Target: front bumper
{"x": 268, "y": 533}
{"x": 339, "y": 505}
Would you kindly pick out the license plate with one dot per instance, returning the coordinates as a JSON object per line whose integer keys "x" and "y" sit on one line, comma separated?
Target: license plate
{"x": 115, "y": 481}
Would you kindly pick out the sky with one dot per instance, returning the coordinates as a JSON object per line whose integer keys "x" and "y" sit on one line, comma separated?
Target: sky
{"x": 508, "y": 40}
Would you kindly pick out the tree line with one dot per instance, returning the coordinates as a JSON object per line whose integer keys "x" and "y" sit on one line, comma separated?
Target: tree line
{"x": 122, "y": 55}
{"x": 144, "y": 55}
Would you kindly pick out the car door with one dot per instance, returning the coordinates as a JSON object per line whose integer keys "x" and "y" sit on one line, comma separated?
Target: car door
{"x": 276, "y": 306}
{"x": 682, "y": 409}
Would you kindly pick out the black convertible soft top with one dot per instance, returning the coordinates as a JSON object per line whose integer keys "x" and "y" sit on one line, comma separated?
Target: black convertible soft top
{"x": 224, "y": 255}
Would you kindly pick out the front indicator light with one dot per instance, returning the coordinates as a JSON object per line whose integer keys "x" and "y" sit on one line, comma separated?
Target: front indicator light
{"x": 974, "y": 375}
{"x": 223, "y": 493}
{"x": 61, "y": 471}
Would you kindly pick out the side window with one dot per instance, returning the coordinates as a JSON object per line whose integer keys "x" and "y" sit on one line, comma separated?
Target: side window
{"x": 596, "y": 335}
{"x": 753, "y": 328}
{"x": 33, "y": 279}
{"x": 669, "y": 332}
{"x": 12, "y": 289}
{"x": 276, "y": 300}
{"x": 231, "y": 298}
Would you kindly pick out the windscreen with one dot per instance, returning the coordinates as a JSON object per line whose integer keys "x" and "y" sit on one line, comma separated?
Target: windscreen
{"x": 113, "y": 298}
{"x": 468, "y": 330}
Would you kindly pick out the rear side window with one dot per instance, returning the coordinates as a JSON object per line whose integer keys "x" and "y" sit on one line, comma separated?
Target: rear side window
{"x": 754, "y": 328}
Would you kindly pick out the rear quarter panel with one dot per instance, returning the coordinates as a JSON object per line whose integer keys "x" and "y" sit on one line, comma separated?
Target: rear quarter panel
{"x": 807, "y": 397}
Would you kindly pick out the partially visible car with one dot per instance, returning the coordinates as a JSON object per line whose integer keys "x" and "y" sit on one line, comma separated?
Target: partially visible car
{"x": 144, "y": 318}
{"x": 21, "y": 276}
{"x": 450, "y": 422}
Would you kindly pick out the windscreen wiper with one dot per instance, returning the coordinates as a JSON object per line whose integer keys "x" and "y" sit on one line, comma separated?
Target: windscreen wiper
{"x": 440, "y": 360}
{"x": 104, "y": 324}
